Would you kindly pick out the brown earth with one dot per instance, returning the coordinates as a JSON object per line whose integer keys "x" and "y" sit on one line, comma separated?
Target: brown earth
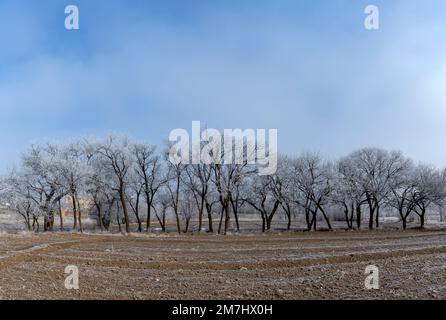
{"x": 279, "y": 265}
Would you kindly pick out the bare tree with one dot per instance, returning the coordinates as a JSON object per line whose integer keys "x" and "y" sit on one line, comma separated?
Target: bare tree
{"x": 16, "y": 193}
{"x": 174, "y": 185}
{"x": 187, "y": 206}
{"x": 197, "y": 178}
{"x": 149, "y": 172}
{"x": 282, "y": 186}
{"x": 161, "y": 205}
{"x": 348, "y": 191}
{"x": 42, "y": 176}
{"x": 263, "y": 199}
{"x": 227, "y": 179}
{"x": 116, "y": 151}
{"x": 74, "y": 172}
{"x": 135, "y": 190}
{"x": 403, "y": 187}
{"x": 375, "y": 168}
{"x": 430, "y": 189}
{"x": 112, "y": 174}
{"x": 314, "y": 180}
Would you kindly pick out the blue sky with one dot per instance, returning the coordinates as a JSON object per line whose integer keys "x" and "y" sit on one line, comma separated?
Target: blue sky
{"x": 307, "y": 68}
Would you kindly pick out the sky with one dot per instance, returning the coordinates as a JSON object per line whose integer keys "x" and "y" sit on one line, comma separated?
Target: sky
{"x": 308, "y": 68}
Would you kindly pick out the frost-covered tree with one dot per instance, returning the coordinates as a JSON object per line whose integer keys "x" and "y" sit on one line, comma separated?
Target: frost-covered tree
{"x": 117, "y": 156}
{"x": 313, "y": 178}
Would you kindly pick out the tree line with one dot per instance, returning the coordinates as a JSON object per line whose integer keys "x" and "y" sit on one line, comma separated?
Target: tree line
{"x": 130, "y": 184}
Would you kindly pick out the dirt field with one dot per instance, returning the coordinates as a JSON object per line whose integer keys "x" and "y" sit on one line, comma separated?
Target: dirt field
{"x": 289, "y": 265}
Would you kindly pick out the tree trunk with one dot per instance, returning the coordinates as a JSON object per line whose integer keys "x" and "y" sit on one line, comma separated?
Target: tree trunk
{"x": 100, "y": 221}
{"x": 178, "y": 221}
{"x": 358, "y": 216}
{"x": 118, "y": 219}
{"x": 307, "y": 219}
{"x": 268, "y": 222}
{"x": 346, "y": 216}
{"x": 327, "y": 220}
{"x": 79, "y": 215}
{"x": 35, "y": 221}
{"x": 200, "y": 215}
{"x": 139, "y": 223}
{"x": 377, "y": 217}
{"x": 227, "y": 218}
{"x": 372, "y": 212}
{"x": 209, "y": 210}
{"x": 48, "y": 222}
{"x": 352, "y": 213}
{"x": 28, "y": 221}
{"x": 73, "y": 201}
{"x": 124, "y": 209}
{"x": 163, "y": 228}
{"x": 221, "y": 220}
{"x": 236, "y": 220}
{"x": 149, "y": 213}
{"x": 325, "y": 216}
{"x": 60, "y": 215}
{"x": 163, "y": 225}
{"x": 422, "y": 219}
{"x": 234, "y": 206}
{"x": 288, "y": 215}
